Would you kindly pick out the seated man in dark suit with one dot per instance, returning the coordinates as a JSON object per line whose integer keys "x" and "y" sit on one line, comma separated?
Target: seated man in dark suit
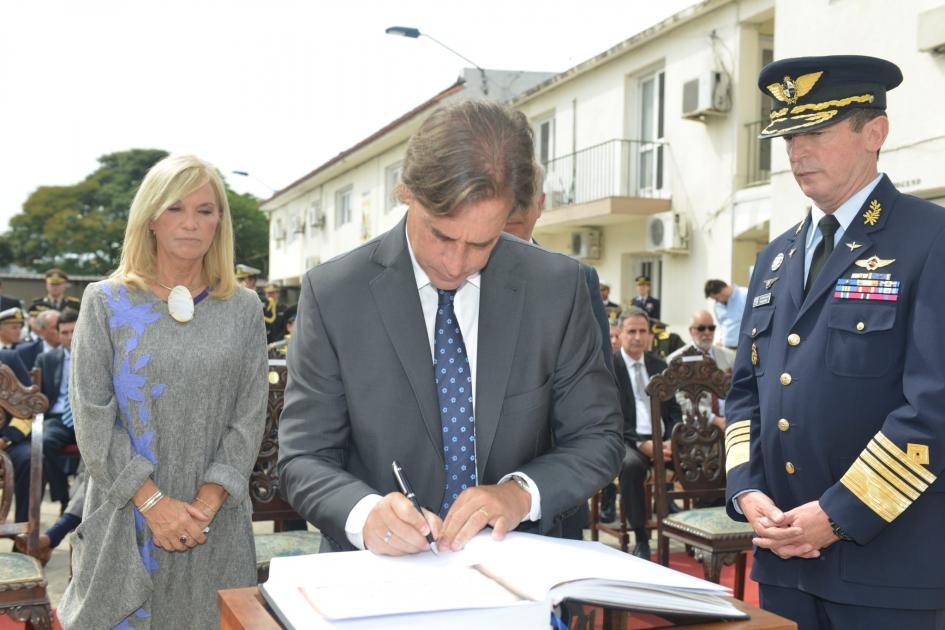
{"x": 15, "y": 439}
{"x": 634, "y": 368}
{"x": 45, "y": 336}
{"x": 58, "y": 430}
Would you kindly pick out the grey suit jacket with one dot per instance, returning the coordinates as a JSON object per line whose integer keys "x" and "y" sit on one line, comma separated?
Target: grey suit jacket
{"x": 360, "y": 390}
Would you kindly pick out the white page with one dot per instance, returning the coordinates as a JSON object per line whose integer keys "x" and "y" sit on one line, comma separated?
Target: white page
{"x": 533, "y": 564}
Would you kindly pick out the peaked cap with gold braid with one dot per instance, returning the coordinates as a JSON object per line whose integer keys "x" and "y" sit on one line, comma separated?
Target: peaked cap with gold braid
{"x": 813, "y": 92}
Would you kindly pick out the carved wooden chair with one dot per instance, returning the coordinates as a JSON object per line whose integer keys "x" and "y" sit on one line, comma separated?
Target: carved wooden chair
{"x": 268, "y": 505}
{"x": 22, "y": 581}
{"x": 698, "y": 448}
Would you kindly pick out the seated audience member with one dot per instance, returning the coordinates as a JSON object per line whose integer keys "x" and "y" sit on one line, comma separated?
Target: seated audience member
{"x": 58, "y": 429}
{"x": 15, "y": 438}
{"x": 11, "y": 327}
{"x": 612, "y": 308}
{"x": 702, "y": 331}
{"x": 729, "y": 305}
{"x": 634, "y": 368}
{"x": 664, "y": 342}
{"x": 66, "y": 523}
{"x": 44, "y": 338}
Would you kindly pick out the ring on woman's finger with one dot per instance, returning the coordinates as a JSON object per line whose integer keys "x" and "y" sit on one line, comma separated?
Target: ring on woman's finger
{"x": 183, "y": 539}
{"x": 387, "y": 537}
{"x": 484, "y": 511}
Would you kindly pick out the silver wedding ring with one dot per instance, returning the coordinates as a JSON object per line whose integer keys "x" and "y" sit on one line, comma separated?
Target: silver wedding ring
{"x": 387, "y": 537}
{"x": 206, "y": 530}
{"x": 183, "y": 539}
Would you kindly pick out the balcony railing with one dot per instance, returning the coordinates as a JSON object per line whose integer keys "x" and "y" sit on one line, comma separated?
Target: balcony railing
{"x": 617, "y": 168}
{"x": 759, "y": 156}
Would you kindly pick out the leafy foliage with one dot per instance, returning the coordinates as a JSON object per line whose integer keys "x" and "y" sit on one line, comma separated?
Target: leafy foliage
{"x": 80, "y": 228}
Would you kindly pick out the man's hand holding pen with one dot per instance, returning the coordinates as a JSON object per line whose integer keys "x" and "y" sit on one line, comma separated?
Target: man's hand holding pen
{"x": 395, "y": 528}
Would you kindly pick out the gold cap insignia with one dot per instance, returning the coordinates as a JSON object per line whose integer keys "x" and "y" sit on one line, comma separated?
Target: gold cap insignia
{"x": 918, "y": 453}
{"x": 871, "y": 216}
{"x": 874, "y": 262}
{"x": 789, "y": 90}
{"x": 853, "y": 245}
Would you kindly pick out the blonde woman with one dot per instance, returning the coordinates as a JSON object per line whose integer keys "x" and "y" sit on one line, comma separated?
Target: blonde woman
{"x": 168, "y": 392}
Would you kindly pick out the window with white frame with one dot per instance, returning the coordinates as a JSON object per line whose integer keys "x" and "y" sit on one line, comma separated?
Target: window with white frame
{"x": 392, "y": 175}
{"x": 343, "y": 206}
{"x": 545, "y": 140}
{"x": 650, "y": 145}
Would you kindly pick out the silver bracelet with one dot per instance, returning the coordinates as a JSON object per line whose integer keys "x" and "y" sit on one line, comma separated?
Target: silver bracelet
{"x": 151, "y": 502}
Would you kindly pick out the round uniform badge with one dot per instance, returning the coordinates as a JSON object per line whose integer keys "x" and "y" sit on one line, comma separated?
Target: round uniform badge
{"x": 776, "y": 263}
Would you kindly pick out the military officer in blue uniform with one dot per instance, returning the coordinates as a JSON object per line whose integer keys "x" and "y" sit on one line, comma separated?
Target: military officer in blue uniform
{"x": 644, "y": 300}
{"x": 836, "y": 417}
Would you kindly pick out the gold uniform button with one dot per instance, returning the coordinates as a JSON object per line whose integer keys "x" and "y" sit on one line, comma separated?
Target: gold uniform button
{"x": 785, "y": 379}
{"x": 789, "y": 467}
{"x": 783, "y": 424}
{"x": 860, "y": 325}
{"x": 793, "y": 339}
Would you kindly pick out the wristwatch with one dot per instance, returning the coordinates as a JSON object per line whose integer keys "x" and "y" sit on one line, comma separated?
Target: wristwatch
{"x": 837, "y": 530}
{"x": 520, "y": 481}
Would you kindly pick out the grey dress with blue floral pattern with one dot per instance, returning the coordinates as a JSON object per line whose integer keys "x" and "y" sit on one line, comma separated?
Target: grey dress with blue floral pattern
{"x": 185, "y": 405}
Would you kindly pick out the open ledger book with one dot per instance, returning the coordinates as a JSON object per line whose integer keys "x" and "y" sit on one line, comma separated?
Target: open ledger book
{"x": 509, "y": 584}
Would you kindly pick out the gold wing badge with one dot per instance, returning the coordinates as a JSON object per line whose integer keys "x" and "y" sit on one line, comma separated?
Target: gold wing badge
{"x": 789, "y": 90}
{"x": 874, "y": 262}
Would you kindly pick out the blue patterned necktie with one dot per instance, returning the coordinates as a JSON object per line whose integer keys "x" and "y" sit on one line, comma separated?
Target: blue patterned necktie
{"x": 66, "y": 417}
{"x": 454, "y": 392}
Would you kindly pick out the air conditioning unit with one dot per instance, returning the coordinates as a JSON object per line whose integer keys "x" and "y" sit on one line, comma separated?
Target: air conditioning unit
{"x": 586, "y": 244}
{"x": 298, "y": 225}
{"x": 707, "y": 95}
{"x": 667, "y": 232}
{"x": 278, "y": 232}
{"x": 316, "y": 218}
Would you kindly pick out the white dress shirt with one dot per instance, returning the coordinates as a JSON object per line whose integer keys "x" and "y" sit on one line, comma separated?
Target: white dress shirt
{"x": 466, "y": 308}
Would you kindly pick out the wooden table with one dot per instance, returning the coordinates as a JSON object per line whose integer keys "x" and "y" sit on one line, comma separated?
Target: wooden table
{"x": 244, "y": 609}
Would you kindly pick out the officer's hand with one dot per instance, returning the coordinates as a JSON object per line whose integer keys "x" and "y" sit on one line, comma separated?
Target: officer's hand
{"x": 503, "y": 506}
{"x": 773, "y": 528}
{"x": 395, "y": 528}
{"x": 817, "y": 535}
{"x": 647, "y": 448}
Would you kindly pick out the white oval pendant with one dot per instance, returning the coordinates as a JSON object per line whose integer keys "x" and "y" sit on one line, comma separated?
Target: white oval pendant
{"x": 180, "y": 304}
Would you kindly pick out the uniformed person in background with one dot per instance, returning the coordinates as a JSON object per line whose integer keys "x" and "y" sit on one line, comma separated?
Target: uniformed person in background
{"x": 836, "y": 416}
{"x": 57, "y": 283}
{"x": 278, "y": 349}
{"x": 247, "y": 277}
{"x": 664, "y": 342}
{"x": 644, "y": 300}
{"x": 612, "y": 308}
{"x": 273, "y": 314}
{"x": 11, "y": 328}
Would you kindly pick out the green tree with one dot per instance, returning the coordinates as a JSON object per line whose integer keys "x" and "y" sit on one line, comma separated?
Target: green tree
{"x": 250, "y": 230}
{"x": 80, "y": 228}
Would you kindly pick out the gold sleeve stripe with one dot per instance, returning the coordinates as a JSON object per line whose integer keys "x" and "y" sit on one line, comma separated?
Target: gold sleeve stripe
{"x": 731, "y": 445}
{"x": 893, "y": 464}
{"x": 867, "y": 486}
{"x": 737, "y": 455}
{"x": 24, "y": 425}
{"x": 741, "y": 436}
{"x": 889, "y": 477}
{"x": 899, "y": 454}
{"x": 737, "y": 426}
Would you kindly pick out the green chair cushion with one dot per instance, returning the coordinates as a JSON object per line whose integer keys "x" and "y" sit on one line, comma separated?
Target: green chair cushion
{"x": 711, "y": 522}
{"x": 269, "y": 546}
{"x": 16, "y": 568}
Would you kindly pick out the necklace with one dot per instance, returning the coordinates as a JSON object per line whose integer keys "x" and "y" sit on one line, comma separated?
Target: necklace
{"x": 180, "y": 304}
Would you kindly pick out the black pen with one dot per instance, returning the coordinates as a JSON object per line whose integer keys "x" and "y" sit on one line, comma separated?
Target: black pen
{"x": 408, "y": 492}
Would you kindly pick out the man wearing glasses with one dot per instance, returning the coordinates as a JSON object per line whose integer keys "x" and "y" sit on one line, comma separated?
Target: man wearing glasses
{"x": 702, "y": 332}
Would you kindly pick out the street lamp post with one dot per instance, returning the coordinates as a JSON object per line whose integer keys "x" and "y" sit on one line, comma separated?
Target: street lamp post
{"x": 414, "y": 33}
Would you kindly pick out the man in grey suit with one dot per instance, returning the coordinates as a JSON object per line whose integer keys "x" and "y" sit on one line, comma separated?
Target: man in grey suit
{"x": 466, "y": 355}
